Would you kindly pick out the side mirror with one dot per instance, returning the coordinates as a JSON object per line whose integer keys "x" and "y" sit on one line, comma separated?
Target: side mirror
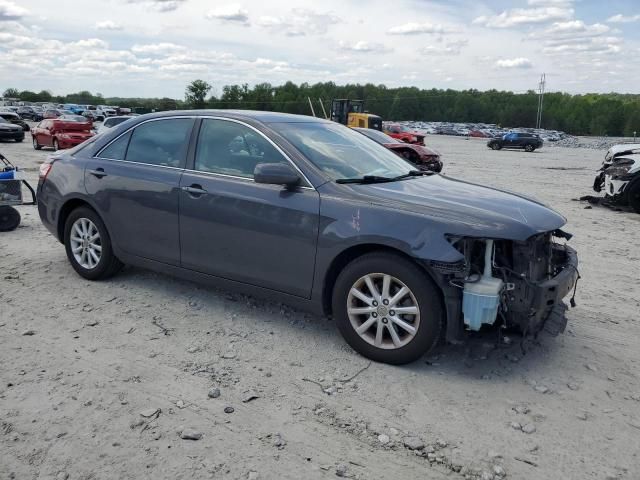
{"x": 276, "y": 174}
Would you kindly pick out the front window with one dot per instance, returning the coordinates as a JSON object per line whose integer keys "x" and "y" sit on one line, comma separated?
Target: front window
{"x": 230, "y": 148}
{"x": 340, "y": 152}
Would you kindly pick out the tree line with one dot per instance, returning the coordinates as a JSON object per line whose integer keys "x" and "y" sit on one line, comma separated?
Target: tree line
{"x": 589, "y": 114}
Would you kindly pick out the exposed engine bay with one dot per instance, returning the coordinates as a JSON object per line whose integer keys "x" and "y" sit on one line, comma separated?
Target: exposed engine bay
{"x": 520, "y": 284}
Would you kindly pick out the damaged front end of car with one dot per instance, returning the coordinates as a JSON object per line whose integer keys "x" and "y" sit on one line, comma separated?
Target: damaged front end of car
{"x": 512, "y": 283}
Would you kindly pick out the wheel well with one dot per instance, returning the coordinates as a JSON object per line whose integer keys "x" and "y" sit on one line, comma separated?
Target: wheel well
{"x": 65, "y": 211}
{"x": 351, "y": 254}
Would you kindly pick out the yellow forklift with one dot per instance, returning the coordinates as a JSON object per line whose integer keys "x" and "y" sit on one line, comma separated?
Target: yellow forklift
{"x": 352, "y": 114}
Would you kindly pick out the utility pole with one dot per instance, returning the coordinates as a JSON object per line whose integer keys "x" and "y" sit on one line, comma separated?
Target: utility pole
{"x": 541, "y": 87}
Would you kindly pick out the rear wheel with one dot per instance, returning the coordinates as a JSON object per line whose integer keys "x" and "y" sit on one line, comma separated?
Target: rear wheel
{"x": 387, "y": 308}
{"x": 9, "y": 219}
{"x": 529, "y": 148}
{"x": 88, "y": 245}
{"x": 633, "y": 195}
{"x": 19, "y": 140}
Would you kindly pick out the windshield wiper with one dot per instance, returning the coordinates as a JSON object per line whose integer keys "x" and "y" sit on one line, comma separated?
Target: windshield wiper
{"x": 378, "y": 179}
{"x": 366, "y": 179}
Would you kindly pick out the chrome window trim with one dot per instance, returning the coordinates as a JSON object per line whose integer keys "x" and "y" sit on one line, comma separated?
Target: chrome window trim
{"x": 309, "y": 185}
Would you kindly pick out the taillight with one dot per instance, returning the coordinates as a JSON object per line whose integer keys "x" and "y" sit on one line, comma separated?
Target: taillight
{"x": 45, "y": 168}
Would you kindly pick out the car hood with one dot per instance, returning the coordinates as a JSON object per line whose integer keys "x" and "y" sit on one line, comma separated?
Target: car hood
{"x": 469, "y": 209}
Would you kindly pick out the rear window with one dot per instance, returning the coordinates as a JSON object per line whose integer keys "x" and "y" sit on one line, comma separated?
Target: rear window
{"x": 161, "y": 142}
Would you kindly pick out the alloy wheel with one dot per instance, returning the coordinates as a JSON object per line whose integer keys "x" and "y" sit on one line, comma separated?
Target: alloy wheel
{"x": 383, "y": 311}
{"x": 86, "y": 244}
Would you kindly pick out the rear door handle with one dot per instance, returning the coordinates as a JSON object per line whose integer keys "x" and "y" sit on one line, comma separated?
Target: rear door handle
{"x": 195, "y": 190}
{"x": 98, "y": 172}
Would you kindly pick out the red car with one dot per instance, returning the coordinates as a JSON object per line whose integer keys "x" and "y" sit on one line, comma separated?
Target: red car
{"x": 64, "y": 132}
{"x": 402, "y": 133}
{"x": 422, "y": 157}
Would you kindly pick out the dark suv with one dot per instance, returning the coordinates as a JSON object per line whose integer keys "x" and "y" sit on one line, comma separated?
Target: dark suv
{"x": 311, "y": 213}
{"x": 524, "y": 141}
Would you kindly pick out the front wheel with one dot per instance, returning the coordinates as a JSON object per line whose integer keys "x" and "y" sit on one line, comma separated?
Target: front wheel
{"x": 36, "y": 145}
{"x": 56, "y": 145}
{"x": 19, "y": 140}
{"x": 633, "y": 195}
{"x": 496, "y": 146}
{"x": 88, "y": 245}
{"x": 387, "y": 308}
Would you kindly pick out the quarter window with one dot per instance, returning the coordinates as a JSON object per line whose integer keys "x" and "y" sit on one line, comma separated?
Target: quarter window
{"x": 118, "y": 149}
{"x": 231, "y": 148}
{"x": 161, "y": 142}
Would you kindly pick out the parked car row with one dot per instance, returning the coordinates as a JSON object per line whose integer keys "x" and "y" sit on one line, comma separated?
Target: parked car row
{"x": 481, "y": 130}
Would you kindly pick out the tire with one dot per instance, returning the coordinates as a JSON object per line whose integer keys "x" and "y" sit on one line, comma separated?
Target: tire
{"x": 423, "y": 294}
{"x": 36, "y": 145}
{"x": 529, "y": 148}
{"x": 108, "y": 264}
{"x": 496, "y": 146}
{"x": 19, "y": 140}
{"x": 633, "y": 195}
{"x": 9, "y": 219}
{"x": 56, "y": 145}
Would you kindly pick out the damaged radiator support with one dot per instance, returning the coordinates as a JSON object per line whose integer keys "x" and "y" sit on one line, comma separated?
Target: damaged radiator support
{"x": 522, "y": 282}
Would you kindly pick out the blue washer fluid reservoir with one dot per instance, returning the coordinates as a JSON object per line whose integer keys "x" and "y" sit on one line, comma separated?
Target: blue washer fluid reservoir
{"x": 481, "y": 299}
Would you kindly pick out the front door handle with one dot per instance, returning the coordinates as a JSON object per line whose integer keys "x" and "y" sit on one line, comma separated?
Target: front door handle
{"x": 98, "y": 173}
{"x": 195, "y": 190}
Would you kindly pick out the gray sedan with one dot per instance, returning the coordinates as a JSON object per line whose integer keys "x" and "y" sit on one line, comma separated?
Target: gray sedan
{"x": 308, "y": 212}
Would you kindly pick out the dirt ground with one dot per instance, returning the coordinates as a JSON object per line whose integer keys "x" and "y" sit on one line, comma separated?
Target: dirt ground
{"x": 98, "y": 379}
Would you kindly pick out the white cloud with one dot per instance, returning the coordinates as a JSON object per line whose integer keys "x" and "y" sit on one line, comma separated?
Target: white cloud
{"x": 300, "y": 23}
{"x": 453, "y": 47}
{"x": 576, "y": 27}
{"x": 550, "y": 3}
{"x": 229, "y": 13}
{"x": 525, "y": 16}
{"x": 414, "y": 28}
{"x": 619, "y": 18}
{"x": 519, "y": 62}
{"x": 108, "y": 25}
{"x": 160, "y": 5}
{"x": 157, "y": 48}
{"x": 363, "y": 47}
{"x": 10, "y": 11}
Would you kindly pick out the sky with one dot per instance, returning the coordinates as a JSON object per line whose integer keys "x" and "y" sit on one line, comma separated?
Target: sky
{"x": 154, "y": 48}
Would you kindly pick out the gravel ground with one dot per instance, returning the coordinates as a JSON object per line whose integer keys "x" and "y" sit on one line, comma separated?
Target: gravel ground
{"x": 116, "y": 379}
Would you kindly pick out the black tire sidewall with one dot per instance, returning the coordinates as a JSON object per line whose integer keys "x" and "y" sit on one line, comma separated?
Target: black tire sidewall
{"x": 12, "y": 219}
{"x": 634, "y": 189}
{"x": 107, "y": 257}
{"x": 424, "y": 290}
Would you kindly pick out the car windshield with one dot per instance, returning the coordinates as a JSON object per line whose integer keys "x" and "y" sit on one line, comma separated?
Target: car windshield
{"x": 2, "y": 120}
{"x": 342, "y": 153}
{"x": 377, "y": 135}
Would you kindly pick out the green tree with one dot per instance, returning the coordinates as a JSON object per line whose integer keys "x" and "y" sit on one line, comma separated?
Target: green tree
{"x": 11, "y": 93}
{"x": 196, "y": 93}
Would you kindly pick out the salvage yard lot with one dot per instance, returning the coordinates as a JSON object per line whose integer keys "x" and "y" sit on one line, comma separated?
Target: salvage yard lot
{"x": 81, "y": 361}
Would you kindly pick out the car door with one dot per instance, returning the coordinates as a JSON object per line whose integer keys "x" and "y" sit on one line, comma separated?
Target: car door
{"x": 232, "y": 227}
{"x": 44, "y": 133}
{"x": 135, "y": 183}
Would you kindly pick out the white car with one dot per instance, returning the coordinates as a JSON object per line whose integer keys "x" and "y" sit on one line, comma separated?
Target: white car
{"x": 110, "y": 122}
{"x": 619, "y": 176}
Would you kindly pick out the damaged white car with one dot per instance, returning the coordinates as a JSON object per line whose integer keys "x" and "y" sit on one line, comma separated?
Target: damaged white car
{"x": 619, "y": 176}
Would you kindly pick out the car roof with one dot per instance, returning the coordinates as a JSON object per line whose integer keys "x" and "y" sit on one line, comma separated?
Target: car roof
{"x": 257, "y": 115}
